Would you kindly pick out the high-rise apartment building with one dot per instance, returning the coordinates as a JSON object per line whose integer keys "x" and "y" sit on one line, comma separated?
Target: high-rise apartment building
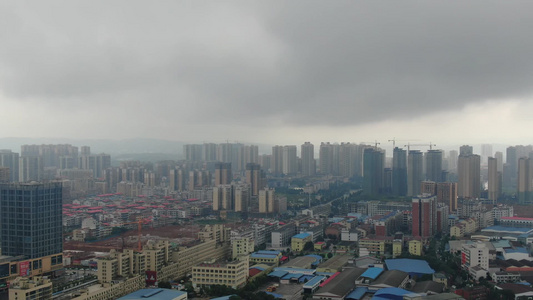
{"x": 30, "y": 168}
{"x": 223, "y": 197}
{"x": 399, "y": 172}
{"x": 31, "y": 220}
{"x": 424, "y": 212}
{"x": 308, "y": 159}
{"x": 499, "y": 161}
{"x": 193, "y": 152}
{"x": 223, "y": 174}
{"x": 255, "y": 178}
{"x": 176, "y": 180}
{"x": 434, "y": 165}
{"x": 328, "y": 158}
{"x": 266, "y": 200}
{"x": 10, "y": 160}
{"x": 452, "y": 160}
{"x": 209, "y": 152}
{"x": 373, "y": 166}
{"x": 466, "y": 150}
{"x": 4, "y": 175}
{"x": 276, "y": 161}
{"x": 495, "y": 180}
{"x": 525, "y": 181}
{"x": 486, "y": 152}
{"x": 469, "y": 168}
{"x": 414, "y": 172}
{"x": 447, "y": 194}
{"x": 289, "y": 160}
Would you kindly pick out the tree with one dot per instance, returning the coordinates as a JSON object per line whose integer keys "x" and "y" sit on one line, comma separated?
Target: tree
{"x": 309, "y": 246}
{"x": 329, "y": 255}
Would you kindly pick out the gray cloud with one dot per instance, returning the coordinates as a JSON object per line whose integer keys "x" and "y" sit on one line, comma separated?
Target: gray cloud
{"x": 303, "y": 62}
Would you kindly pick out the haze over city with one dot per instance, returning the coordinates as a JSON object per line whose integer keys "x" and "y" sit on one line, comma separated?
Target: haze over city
{"x": 268, "y": 72}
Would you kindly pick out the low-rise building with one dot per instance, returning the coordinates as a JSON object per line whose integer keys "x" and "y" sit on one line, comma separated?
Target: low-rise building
{"x": 298, "y": 241}
{"x": 233, "y": 274}
{"x": 23, "y": 288}
{"x": 415, "y": 247}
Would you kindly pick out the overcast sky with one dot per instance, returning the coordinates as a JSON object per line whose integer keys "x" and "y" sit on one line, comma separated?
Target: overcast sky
{"x": 279, "y": 72}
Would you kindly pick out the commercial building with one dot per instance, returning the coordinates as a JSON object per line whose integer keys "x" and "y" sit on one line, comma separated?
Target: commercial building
{"x": 31, "y": 221}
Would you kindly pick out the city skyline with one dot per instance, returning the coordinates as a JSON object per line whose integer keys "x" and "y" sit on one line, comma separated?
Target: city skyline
{"x": 268, "y": 72}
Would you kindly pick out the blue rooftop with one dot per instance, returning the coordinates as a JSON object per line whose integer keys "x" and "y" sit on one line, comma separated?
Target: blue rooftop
{"x": 268, "y": 252}
{"x": 301, "y": 236}
{"x": 372, "y": 273}
{"x": 358, "y": 293}
{"x": 315, "y": 280}
{"x": 390, "y": 293}
{"x": 275, "y": 295}
{"x": 292, "y": 276}
{"x": 153, "y": 294}
{"x": 317, "y": 258}
{"x": 278, "y": 274}
{"x": 516, "y": 250}
{"x": 411, "y": 266}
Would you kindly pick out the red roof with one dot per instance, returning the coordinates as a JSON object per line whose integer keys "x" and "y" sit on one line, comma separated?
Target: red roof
{"x": 329, "y": 279}
{"x": 252, "y": 272}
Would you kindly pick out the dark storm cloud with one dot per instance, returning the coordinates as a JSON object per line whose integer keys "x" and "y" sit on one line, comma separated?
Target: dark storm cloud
{"x": 304, "y": 62}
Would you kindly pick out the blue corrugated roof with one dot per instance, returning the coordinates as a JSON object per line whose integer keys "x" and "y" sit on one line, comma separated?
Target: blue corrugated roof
{"x": 275, "y": 295}
{"x": 269, "y": 252}
{"x": 317, "y": 258}
{"x": 278, "y": 274}
{"x": 153, "y": 294}
{"x": 305, "y": 277}
{"x": 390, "y": 293}
{"x": 292, "y": 276}
{"x": 301, "y": 236}
{"x": 314, "y": 281}
{"x": 372, "y": 273}
{"x": 358, "y": 293}
{"x": 409, "y": 265}
{"x": 516, "y": 250}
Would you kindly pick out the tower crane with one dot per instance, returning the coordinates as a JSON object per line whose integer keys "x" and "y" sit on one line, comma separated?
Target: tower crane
{"x": 394, "y": 140}
{"x": 431, "y": 145}
{"x": 139, "y": 228}
{"x": 376, "y": 143}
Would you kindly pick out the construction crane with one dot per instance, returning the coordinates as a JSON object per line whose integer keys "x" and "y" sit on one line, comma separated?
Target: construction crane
{"x": 139, "y": 228}
{"x": 417, "y": 145}
{"x": 376, "y": 143}
{"x": 394, "y": 140}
